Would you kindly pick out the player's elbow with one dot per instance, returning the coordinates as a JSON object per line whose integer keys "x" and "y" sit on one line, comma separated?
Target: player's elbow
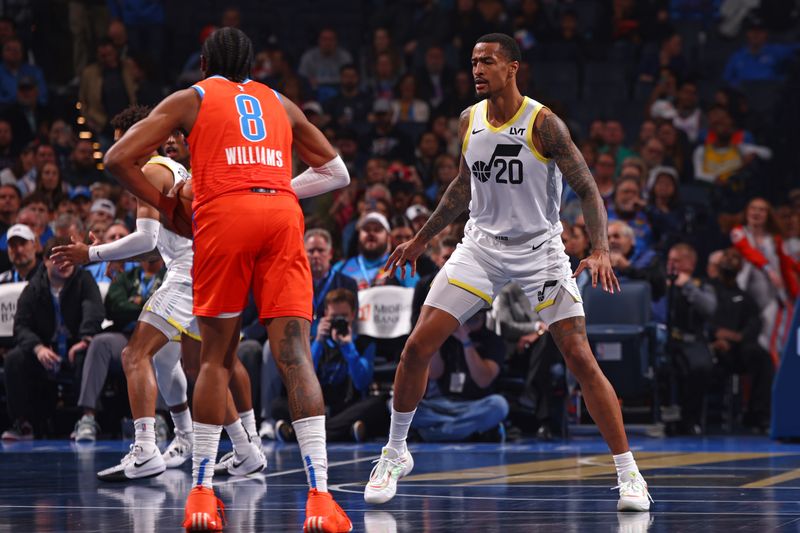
{"x": 113, "y": 160}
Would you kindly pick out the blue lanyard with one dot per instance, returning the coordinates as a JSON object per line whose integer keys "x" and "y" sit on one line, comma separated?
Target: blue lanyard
{"x": 60, "y": 336}
{"x": 145, "y": 287}
{"x": 16, "y": 276}
{"x": 318, "y": 298}
{"x": 368, "y": 279}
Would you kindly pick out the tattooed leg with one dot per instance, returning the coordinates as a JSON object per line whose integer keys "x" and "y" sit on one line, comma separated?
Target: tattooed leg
{"x": 289, "y": 341}
{"x": 601, "y": 400}
{"x": 217, "y": 357}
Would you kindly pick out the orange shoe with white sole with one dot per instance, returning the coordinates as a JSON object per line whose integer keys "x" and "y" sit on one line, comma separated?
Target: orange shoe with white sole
{"x": 323, "y": 515}
{"x": 204, "y": 511}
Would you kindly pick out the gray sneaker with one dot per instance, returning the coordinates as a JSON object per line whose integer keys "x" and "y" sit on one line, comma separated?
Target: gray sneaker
{"x": 85, "y": 430}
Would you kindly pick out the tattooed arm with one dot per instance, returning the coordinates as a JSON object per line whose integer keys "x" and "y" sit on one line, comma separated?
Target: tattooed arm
{"x": 558, "y": 145}
{"x": 454, "y": 201}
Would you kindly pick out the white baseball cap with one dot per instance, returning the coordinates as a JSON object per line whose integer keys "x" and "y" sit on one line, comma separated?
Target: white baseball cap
{"x": 374, "y": 216}
{"x": 22, "y": 231}
{"x": 417, "y": 210}
{"x": 104, "y": 205}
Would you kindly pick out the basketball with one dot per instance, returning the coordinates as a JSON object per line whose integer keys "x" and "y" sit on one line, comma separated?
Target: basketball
{"x": 182, "y": 216}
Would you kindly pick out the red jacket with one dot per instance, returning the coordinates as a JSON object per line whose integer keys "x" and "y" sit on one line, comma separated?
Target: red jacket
{"x": 751, "y": 254}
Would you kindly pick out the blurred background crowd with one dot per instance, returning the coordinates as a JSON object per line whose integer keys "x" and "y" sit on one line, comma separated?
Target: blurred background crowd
{"x": 685, "y": 111}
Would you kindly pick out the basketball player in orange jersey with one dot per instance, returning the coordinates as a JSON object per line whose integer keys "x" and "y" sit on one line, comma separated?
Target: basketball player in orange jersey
{"x": 248, "y": 232}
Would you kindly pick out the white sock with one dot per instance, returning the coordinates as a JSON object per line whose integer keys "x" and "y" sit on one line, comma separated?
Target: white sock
{"x": 206, "y": 443}
{"x": 626, "y": 466}
{"x": 398, "y": 430}
{"x": 249, "y": 423}
{"x": 238, "y": 435}
{"x": 310, "y": 433}
{"x": 182, "y": 420}
{"x": 145, "y": 433}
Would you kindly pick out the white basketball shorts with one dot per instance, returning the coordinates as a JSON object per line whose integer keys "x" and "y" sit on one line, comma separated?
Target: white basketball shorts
{"x": 481, "y": 266}
{"x": 169, "y": 310}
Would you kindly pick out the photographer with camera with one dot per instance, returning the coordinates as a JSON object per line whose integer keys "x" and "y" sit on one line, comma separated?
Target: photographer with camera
{"x": 344, "y": 366}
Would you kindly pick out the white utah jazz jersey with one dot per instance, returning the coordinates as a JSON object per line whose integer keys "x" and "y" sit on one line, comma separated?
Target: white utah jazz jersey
{"x": 516, "y": 192}
{"x": 176, "y": 251}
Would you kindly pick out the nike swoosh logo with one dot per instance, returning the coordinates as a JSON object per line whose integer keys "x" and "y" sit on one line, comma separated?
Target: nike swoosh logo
{"x": 139, "y": 465}
{"x": 475, "y": 132}
{"x": 240, "y": 463}
{"x": 537, "y": 247}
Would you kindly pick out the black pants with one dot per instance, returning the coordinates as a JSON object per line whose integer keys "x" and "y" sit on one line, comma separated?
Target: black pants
{"x": 544, "y": 388}
{"x": 753, "y": 360}
{"x": 373, "y": 411}
{"x": 693, "y": 366}
{"x": 29, "y": 386}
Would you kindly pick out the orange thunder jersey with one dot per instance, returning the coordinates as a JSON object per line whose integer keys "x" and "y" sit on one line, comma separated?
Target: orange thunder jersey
{"x": 241, "y": 139}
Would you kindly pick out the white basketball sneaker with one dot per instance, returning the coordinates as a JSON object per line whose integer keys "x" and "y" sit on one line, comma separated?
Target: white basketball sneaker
{"x": 382, "y": 484}
{"x": 179, "y": 450}
{"x": 137, "y": 464}
{"x": 633, "y": 494}
{"x": 251, "y": 460}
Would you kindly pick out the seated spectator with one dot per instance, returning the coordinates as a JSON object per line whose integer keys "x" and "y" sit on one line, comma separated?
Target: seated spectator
{"x": 381, "y": 44}
{"x": 407, "y": 108}
{"x": 460, "y": 401}
{"x": 69, "y": 225}
{"x": 690, "y": 305}
{"x": 9, "y": 149}
{"x": 435, "y": 79}
{"x": 82, "y": 170}
{"x": 428, "y": 149}
{"x": 82, "y": 198}
{"x": 533, "y": 357}
{"x": 50, "y": 186}
{"x": 351, "y": 107}
{"x": 631, "y": 261}
{"x": 58, "y": 313}
{"x": 669, "y": 55}
{"x": 10, "y": 200}
{"x": 653, "y": 153}
{"x": 664, "y": 210}
{"x": 676, "y": 148}
{"x": 43, "y": 153}
{"x": 106, "y": 88}
{"x": 689, "y": 117}
{"x": 124, "y": 302}
{"x": 23, "y": 164}
{"x": 445, "y": 170}
{"x": 382, "y": 84}
{"x": 29, "y": 118}
{"x": 724, "y": 153}
{"x": 320, "y": 65}
{"x": 14, "y": 68}
{"x": 629, "y": 206}
{"x": 373, "y": 251}
{"x": 22, "y": 247}
{"x": 603, "y": 173}
{"x": 768, "y": 274}
{"x": 613, "y": 138}
{"x": 385, "y": 139}
{"x": 758, "y": 60}
{"x": 735, "y": 327}
{"x": 103, "y": 212}
{"x": 36, "y": 215}
{"x": 344, "y": 366}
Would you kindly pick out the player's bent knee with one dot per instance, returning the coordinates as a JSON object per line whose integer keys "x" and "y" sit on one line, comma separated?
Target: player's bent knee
{"x": 581, "y": 363}
{"x": 417, "y": 353}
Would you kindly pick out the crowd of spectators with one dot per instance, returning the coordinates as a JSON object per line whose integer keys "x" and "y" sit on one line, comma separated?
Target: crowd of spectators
{"x": 685, "y": 146}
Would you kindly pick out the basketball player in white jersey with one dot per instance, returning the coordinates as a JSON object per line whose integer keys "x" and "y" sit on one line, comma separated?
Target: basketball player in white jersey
{"x": 514, "y": 153}
{"x": 167, "y": 315}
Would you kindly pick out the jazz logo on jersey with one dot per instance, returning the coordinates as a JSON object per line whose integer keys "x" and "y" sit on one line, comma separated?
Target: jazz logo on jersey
{"x": 504, "y": 159}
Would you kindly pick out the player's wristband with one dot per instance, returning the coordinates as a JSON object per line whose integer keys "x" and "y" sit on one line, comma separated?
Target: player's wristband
{"x": 466, "y": 344}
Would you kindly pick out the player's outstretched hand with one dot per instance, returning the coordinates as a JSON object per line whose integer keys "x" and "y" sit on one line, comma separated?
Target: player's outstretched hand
{"x": 599, "y": 265}
{"x": 76, "y": 253}
{"x": 405, "y": 253}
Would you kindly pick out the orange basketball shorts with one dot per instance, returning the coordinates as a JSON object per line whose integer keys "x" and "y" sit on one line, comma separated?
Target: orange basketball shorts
{"x": 251, "y": 240}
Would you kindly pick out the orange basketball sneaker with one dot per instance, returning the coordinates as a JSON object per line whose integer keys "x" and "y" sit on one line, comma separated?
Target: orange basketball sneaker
{"x": 323, "y": 515}
{"x": 201, "y": 510}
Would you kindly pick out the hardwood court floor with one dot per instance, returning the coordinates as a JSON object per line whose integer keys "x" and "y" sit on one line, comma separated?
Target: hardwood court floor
{"x": 706, "y": 485}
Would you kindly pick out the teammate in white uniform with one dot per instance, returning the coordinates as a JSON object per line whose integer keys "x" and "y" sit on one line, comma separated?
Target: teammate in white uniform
{"x": 514, "y": 152}
{"x": 167, "y": 316}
